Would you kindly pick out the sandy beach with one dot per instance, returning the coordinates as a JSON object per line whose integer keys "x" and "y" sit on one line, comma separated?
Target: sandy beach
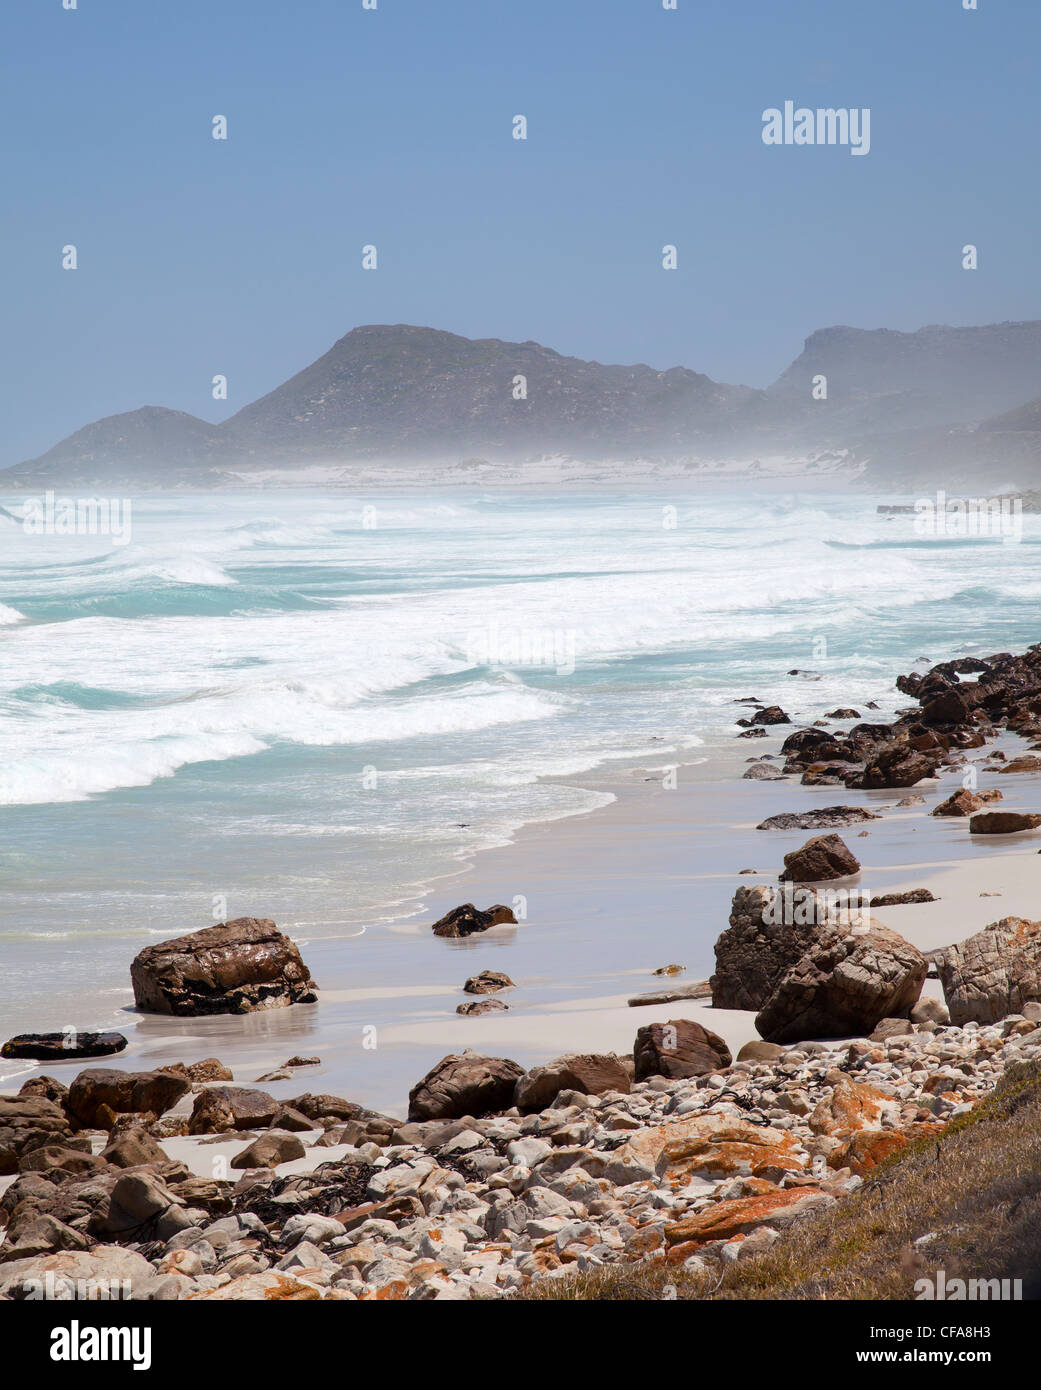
{"x": 609, "y": 897}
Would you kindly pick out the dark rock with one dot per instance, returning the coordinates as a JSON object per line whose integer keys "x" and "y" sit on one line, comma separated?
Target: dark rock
{"x": 824, "y": 857}
{"x": 678, "y": 1048}
{"x": 464, "y": 1084}
{"x": 752, "y": 733}
{"x": 140, "y": 1205}
{"x": 123, "y": 1091}
{"x": 1003, "y": 822}
{"x": 467, "y": 919}
{"x": 487, "y": 982}
{"x": 234, "y": 968}
{"x": 590, "y": 1073}
{"x": 63, "y": 1047}
{"x": 895, "y": 765}
{"x": 290, "y": 1119}
{"x": 843, "y": 713}
{"x": 482, "y": 1006}
{"x": 773, "y": 714}
{"x": 768, "y": 933}
{"x": 133, "y": 1149}
{"x": 222, "y": 1108}
{"x": 964, "y": 803}
{"x": 46, "y": 1087}
{"x": 844, "y": 986}
{"x": 269, "y": 1151}
{"x": 916, "y": 895}
{"x": 826, "y": 818}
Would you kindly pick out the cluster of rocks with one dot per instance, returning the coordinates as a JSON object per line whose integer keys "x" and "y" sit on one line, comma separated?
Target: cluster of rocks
{"x": 498, "y": 1178}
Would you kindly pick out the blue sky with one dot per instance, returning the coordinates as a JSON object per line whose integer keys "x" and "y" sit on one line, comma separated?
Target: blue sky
{"x": 393, "y": 127}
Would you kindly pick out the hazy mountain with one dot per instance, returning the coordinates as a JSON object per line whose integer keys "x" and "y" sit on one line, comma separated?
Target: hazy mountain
{"x": 149, "y": 443}
{"x": 939, "y": 402}
{"x": 416, "y": 392}
{"x": 884, "y": 380}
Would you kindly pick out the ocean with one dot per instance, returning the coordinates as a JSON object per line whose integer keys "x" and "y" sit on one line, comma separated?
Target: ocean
{"x": 310, "y": 706}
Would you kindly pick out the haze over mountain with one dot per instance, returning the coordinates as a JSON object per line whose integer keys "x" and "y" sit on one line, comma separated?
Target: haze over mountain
{"x": 943, "y": 401}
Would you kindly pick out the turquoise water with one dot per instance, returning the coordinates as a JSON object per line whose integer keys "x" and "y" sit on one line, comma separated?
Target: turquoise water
{"x": 306, "y": 706}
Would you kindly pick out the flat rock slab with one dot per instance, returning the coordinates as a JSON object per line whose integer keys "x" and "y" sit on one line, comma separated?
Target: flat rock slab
{"x": 700, "y": 989}
{"x": 63, "y": 1047}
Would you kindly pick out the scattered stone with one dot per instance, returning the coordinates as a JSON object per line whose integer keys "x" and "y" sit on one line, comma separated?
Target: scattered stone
{"x": 964, "y": 803}
{"x": 476, "y": 1007}
{"x": 824, "y": 857}
{"x": 269, "y": 1151}
{"x": 763, "y": 772}
{"x": 488, "y": 982}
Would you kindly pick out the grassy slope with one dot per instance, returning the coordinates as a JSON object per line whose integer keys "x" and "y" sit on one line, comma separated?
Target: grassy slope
{"x": 977, "y": 1186}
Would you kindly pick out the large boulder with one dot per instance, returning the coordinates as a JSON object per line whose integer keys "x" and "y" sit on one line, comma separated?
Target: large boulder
{"x": 589, "y": 1072}
{"x": 141, "y": 1206}
{"x": 823, "y": 857}
{"x": 769, "y": 931}
{"x": 994, "y": 973}
{"x": 466, "y": 920}
{"x": 124, "y": 1092}
{"x": 219, "y": 1109}
{"x": 678, "y": 1048}
{"x": 233, "y": 968}
{"x": 844, "y": 985}
{"x": 106, "y": 1272}
{"x": 63, "y": 1047}
{"x": 464, "y": 1083}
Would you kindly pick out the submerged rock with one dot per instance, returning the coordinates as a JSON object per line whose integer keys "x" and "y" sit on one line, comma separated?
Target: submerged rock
{"x": 826, "y": 818}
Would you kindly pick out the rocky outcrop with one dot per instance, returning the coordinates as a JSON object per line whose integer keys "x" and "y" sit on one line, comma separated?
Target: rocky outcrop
{"x": 467, "y": 920}
{"x": 234, "y": 968}
{"x": 824, "y": 857}
{"x": 464, "y": 1084}
{"x": 63, "y": 1047}
{"x": 994, "y": 973}
{"x": 122, "y": 1092}
{"x": 765, "y": 938}
{"x": 895, "y": 765}
{"x": 592, "y": 1074}
{"x": 678, "y": 1048}
{"x": 843, "y": 986}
